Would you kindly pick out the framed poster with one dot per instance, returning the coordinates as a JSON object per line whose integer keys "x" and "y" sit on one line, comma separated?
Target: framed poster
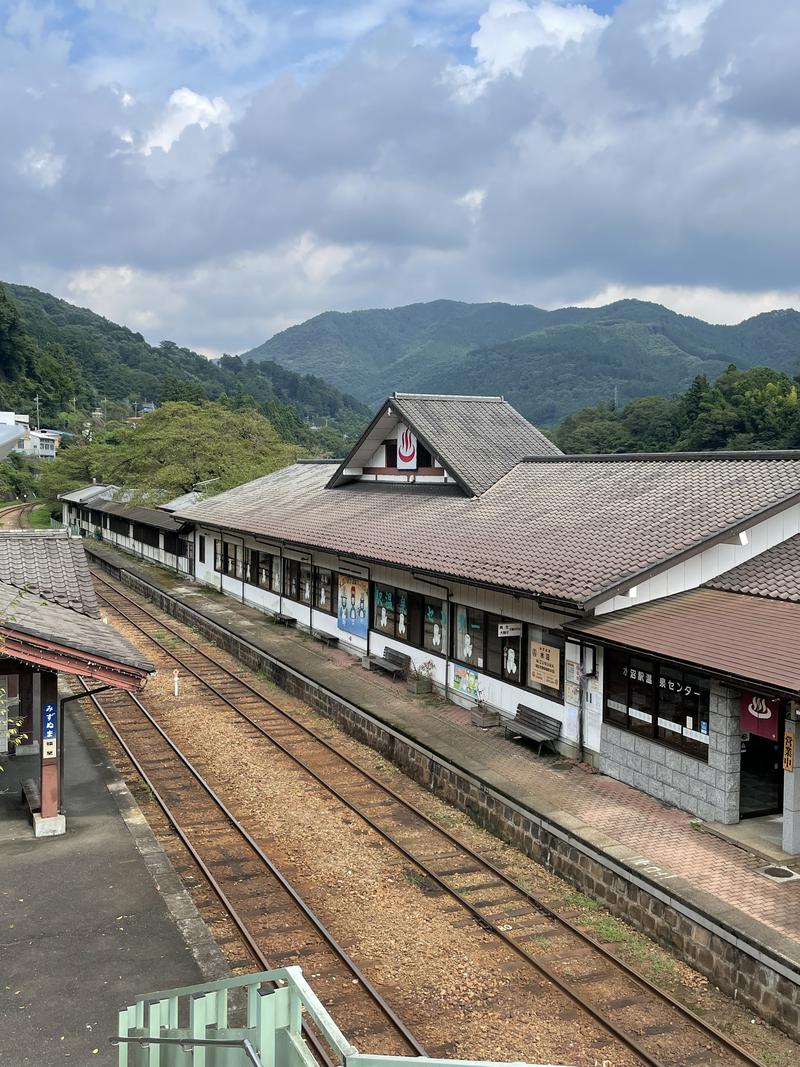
{"x": 353, "y": 616}
{"x": 545, "y": 665}
{"x": 466, "y": 681}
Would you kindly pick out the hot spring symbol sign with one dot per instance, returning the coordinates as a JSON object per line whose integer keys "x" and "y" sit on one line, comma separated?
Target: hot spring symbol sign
{"x": 406, "y": 449}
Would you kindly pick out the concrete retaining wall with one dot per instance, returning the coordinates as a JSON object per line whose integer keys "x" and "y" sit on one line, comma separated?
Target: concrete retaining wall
{"x": 766, "y": 983}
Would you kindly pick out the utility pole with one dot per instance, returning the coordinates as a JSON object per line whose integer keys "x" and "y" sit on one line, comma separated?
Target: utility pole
{"x": 38, "y": 421}
{"x": 616, "y": 396}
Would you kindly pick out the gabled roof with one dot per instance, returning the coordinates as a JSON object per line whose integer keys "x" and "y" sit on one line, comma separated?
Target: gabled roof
{"x": 576, "y": 529}
{"x": 774, "y": 573}
{"x": 478, "y": 439}
{"x": 751, "y": 638}
{"x": 182, "y": 501}
{"x": 163, "y": 520}
{"x": 50, "y": 564}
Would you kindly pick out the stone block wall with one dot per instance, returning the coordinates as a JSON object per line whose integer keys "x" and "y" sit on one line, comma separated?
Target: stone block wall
{"x": 708, "y": 790}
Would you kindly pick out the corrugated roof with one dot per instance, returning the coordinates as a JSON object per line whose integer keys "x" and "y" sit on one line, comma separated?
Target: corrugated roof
{"x": 774, "y": 573}
{"x": 51, "y": 564}
{"x": 477, "y": 438}
{"x": 753, "y": 638}
{"x": 87, "y": 493}
{"x": 567, "y": 528}
{"x": 25, "y": 613}
{"x": 163, "y": 520}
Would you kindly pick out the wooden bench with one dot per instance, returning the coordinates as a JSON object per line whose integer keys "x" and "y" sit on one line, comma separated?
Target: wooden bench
{"x": 395, "y": 663}
{"x": 327, "y": 639}
{"x": 284, "y": 620}
{"x": 532, "y": 724}
{"x": 29, "y": 794}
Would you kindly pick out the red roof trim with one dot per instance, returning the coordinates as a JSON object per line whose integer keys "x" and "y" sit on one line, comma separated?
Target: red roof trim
{"x": 57, "y": 657}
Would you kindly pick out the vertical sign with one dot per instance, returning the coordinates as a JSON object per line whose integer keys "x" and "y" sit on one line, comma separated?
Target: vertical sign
{"x": 788, "y": 751}
{"x": 49, "y": 731}
{"x": 406, "y": 449}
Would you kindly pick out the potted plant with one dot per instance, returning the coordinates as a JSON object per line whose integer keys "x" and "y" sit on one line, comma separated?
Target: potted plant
{"x": 483, "y": 714}
{"x": 420, "y": 677}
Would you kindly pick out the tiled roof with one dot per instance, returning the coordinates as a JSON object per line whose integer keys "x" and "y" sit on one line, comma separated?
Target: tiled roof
{"x": 569, "y": 528}
{"x": 51, "y": 564}
{"x": 751, "y": 638}
{"x": 182, "y": 501}
{"x": 774, "y": 573}
{"x": 477, "y": 438}
{"x": 25, "y": 613}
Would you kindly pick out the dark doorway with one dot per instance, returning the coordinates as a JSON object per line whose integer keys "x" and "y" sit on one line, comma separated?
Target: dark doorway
{"x": 762, "y": 777}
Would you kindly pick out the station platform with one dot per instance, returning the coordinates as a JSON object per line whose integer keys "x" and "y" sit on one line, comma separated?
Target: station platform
{"x": 699, "y": 871}
{"x": 84, "y": 926}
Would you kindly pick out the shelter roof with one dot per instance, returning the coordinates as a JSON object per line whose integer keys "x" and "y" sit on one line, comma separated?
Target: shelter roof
{"x": 478, "y": 439}
{"x": 746, "y": 637}
{"x": 51, "y": 564}
{"x": 88, "y": 493}
{"x": 567, "y": 528}
{"x": 182, "y": 501}
{"x": 774, "y": 573}
{"x": 163, "y": 520}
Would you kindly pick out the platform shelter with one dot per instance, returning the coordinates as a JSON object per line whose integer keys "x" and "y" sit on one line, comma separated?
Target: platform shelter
{"x": 51, "y": 625}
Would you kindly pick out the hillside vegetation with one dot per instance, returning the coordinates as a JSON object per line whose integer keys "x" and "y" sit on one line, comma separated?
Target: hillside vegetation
{"x": 741, "y": 411}
{"x": 547, "y": 363}
{"x": 75, "y": 359}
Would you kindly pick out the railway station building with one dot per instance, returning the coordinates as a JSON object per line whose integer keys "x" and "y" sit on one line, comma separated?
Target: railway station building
{"x": 614, "y": 595}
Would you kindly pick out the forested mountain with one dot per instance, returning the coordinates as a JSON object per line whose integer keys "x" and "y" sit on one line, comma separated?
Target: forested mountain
{"x": 547, "y": 363}
{"x": 741, "y": 411}
{"x": 72, "y": 357}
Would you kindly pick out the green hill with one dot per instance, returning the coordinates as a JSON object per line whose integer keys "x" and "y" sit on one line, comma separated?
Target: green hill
{"x": 547, "y": 363}
{"x": 70, "y": 354}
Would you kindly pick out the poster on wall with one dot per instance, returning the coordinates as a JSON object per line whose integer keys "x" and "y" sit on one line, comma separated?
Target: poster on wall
{"x": 545, "y": 665}
{"x": 759, "y": 715}
{"x": 466, "y": 681}
{"x": 353, "y": 605}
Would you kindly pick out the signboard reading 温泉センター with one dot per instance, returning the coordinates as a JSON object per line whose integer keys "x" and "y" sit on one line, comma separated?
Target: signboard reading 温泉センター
{"x": 545, "y": 665}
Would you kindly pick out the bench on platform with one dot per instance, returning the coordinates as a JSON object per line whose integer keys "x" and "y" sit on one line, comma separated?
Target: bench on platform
{"x": 535, "y": 725}
{"x": 327, "y": 639}
{"x": 29, "y": 794}
{"x": 393, "y": 662}
{"x": 284, "y": 620}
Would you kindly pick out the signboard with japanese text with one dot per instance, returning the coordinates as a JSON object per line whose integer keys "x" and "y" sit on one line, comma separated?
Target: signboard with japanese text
{"x": 759, "y": 715}
{"x": 353, "y": 614}
{"x": 545, "y": 665}
{"x": 788, "y": 751}
{"x": 509, "y": 629}
{"x": 406, "y": 449}
{"x": 49, "y": 731}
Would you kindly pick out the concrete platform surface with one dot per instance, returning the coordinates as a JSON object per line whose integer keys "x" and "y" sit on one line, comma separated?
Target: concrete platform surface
{"x": 662, "y": 845}
{"x": 84, "y": 927}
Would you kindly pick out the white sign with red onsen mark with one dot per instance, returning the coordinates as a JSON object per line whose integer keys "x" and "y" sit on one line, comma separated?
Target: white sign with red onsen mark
{"x": 406, "y": 449}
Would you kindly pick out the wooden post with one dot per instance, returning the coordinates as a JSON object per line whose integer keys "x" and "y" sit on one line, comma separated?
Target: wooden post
{"x": 51, "y": 740}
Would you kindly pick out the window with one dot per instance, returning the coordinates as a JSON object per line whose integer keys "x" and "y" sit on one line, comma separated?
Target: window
{"x": 249, "y": 569}
{"x": 434, "y": 632}
{"x": 324, "y": 581}
{"x": 470, "y": 631}
{"x": 657, "y": 700}
{"x": 545, "y": 649}
{"x": 291, "y": 579}
{"x": 276, "y": 574}
{"x": 233, "y": 562}
{"x": 201, "y": 548}
{"x": 171, "y": 543}
{"x": 146, "y": 535}
{"x": 119, "y": 526}
{"x": 305, "y": 583}
{"x": 384, "y": 620}
{"x": 218, "y": 555}
{"x": 391, "y": 453}
{"x": 424, "y": 458}
{"x": 264, "y": 572}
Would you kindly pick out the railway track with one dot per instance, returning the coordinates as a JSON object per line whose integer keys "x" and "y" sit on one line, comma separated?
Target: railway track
{"x": 276, "y": 924}
{"x": 13, "y": 517}
{"x": 648, "y": 1022}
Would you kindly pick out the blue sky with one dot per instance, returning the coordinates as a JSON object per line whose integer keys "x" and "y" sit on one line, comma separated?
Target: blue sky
{"x": 214, "y": 170}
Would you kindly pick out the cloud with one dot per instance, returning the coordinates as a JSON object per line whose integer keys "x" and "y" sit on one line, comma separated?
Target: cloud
{"x": 212, "y": 170}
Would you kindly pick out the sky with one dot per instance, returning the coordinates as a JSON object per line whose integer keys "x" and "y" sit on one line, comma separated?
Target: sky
{"x": 213, "y": 171}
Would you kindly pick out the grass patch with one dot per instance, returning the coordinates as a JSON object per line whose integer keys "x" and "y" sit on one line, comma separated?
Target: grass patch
{"x": 39, "y": 517}
{"x": 581, "y": 902}
{"x": 608, "y": 929}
